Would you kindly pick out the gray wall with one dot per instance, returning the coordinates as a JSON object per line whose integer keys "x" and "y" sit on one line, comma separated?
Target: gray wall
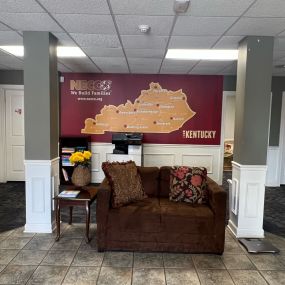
{"x": 13, "y": 77}
{"x": 230, "y": 83}
{"x": 277, "y": 87}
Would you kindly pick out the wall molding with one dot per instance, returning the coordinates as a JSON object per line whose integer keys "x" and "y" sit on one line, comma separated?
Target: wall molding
{"x": 41, "y": 161}
{"x": 209, "y": 164}
{"x": 165, "y": 154}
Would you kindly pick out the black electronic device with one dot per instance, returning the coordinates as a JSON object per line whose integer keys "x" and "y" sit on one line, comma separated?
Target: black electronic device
{"x": 123, "y": 140}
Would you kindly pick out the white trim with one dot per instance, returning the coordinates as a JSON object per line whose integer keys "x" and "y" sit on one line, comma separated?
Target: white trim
{"x": 164, "y": 154}
{"x": 249, "y": 167}
{"x": 3, "y": 162}
{"x": 282, "y": 142}
{"x": 41, "y": 162}
{"x": 11, "y": 87}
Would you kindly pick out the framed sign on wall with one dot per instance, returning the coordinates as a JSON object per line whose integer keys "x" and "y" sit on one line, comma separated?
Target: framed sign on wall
{"x": 167, "y": 109}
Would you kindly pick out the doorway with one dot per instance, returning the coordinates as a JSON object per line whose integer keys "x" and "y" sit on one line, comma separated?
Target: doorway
{"x": 228, "y": 124}
{"x": 282, "y": 141}
{"x": 12, "y": 139}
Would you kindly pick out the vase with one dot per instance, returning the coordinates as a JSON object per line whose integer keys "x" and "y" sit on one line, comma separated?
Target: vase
{"x": 81, "y": 175}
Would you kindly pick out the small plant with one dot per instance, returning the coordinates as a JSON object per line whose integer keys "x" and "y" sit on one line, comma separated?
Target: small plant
{"x": 80, "y": 158}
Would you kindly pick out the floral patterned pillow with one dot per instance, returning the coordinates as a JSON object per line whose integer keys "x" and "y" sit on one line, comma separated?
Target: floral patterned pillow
{"x": 188, "y": 184}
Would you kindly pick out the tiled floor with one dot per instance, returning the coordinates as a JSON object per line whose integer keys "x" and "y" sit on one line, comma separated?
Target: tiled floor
{"x": 38, "y": 259}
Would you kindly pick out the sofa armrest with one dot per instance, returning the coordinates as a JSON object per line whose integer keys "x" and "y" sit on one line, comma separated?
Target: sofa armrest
{"x": 217, "y": 198}
{"x": 217, "y": 201}
{"x": 102, "y": 210}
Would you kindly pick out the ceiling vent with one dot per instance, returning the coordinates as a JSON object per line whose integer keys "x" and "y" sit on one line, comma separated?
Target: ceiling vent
{"x": 181, "y": 6}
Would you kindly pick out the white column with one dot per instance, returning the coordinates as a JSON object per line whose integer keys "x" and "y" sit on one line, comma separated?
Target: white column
{"x": 246, "y": 205}
{"x": 42, "y": 181}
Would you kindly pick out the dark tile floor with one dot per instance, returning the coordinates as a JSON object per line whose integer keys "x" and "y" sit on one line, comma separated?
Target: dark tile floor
{"x": 37, "y": 259}
{"x": 12, "y": 207}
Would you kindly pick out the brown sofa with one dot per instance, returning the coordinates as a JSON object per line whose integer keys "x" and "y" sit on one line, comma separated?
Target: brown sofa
{"x": 157, "y": 224}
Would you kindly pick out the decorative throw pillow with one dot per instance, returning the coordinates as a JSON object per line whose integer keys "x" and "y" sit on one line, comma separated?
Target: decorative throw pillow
{"x": 188, "y": 184}
{"x": 125, "y": 182}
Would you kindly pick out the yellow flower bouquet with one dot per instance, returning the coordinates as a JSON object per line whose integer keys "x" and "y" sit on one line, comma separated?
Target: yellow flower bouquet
{"x": 81, "y": 158}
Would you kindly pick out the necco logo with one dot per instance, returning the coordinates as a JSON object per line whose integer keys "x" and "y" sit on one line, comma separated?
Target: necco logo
{"x": 92, "y": 85}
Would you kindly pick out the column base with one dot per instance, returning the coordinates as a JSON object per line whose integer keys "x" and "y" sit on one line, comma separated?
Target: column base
{"x": 246, "y": 205}
{"x": 39, "y": 228}
{"x": 244, "y": 233}
{"x": 42, "y": 181}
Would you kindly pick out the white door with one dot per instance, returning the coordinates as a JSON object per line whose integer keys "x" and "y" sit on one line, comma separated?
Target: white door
{"x": 282, "y": 141}
{"x": 15, "y": 139}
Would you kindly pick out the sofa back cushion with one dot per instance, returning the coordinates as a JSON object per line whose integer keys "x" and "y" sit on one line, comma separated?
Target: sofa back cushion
{"x": 125, "y": 182}
{"x": 164, "y": 185}
{"x": 150, "y": 180}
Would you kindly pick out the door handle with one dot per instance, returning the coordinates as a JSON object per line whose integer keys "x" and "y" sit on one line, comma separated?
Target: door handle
{"x": 18, "y": 111}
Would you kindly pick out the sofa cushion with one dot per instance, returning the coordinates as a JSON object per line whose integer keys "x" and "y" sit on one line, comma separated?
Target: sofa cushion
{"x": 164, "y": 186}
{"x": 188, "y": 184}
{"x": 140, "y": 216}
{"x": 125, "y": 182}
{"x": 150, "y": 179}
{"x": 186, "y": 218}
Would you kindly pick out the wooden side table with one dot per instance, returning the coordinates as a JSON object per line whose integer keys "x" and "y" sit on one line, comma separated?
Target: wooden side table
{"x": 84, "y": 199}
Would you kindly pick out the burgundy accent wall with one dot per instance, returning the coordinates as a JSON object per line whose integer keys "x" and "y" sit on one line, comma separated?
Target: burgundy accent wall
{"x": 204, "y": 96}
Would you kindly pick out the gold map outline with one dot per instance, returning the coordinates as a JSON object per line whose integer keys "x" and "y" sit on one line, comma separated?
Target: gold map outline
{"x": 140, "y": 116}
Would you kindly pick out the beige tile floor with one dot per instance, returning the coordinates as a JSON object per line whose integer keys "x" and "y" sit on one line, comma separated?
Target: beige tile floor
{"x": 38, "y": 259}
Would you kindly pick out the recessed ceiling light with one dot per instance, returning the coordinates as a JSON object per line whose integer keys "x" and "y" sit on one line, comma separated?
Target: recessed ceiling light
{"x": 15, "y": 50}
{"x": 202, "y": 54}
{"x": 61, "y": 51}
{"x": 70, "y": 52}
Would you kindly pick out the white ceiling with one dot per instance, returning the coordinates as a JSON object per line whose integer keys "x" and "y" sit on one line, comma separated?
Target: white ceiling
{"x": 107, "y": 31}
